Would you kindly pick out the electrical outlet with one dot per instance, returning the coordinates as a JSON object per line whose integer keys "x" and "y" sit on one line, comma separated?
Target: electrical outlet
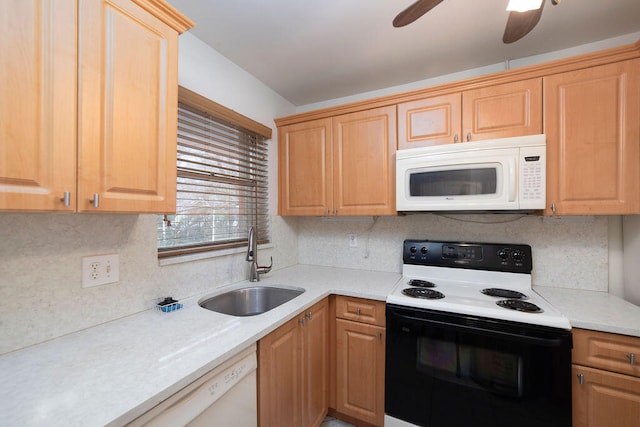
{"x": 353, "y": 240}
{"x": 100, "y": 270}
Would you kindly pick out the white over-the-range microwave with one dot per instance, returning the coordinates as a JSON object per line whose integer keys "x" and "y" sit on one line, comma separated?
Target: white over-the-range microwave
{"x": 505, "y": 174}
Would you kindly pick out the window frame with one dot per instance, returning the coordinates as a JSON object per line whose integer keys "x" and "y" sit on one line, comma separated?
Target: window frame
{"x": 206, "y": 106}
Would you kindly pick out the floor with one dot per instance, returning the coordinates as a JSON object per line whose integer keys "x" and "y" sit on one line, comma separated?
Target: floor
{"x": 332, "y": 422}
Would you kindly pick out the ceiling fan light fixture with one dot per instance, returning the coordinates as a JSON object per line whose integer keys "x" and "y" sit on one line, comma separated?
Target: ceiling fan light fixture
{"x": 523, "y": 5}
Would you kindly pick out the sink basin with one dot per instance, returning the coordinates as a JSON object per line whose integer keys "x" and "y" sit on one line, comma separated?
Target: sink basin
{"x": 250, "y": 301}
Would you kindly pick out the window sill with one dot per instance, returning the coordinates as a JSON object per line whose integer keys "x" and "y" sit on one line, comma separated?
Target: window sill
{"x": 179, "y": 259}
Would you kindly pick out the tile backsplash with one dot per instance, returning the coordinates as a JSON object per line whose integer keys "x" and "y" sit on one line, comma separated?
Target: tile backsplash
{"x": 568, "y": 252}
{"x": 41, "y": 296}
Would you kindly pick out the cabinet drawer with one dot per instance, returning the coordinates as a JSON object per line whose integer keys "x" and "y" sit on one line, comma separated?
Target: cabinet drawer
{"x": 360, "y": 310}
{"x": 611, "y": 352}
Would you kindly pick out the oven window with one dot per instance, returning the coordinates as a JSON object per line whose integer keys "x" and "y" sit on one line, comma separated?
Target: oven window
{"x": 465, "y": 364}
{"x": 462, "y": 182}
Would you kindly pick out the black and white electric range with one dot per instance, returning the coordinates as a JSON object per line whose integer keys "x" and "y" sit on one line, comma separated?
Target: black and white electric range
{"x": 470, "y": 343}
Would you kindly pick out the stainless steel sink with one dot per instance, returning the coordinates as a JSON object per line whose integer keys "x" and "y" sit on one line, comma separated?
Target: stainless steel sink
{"x": 250, "y": 301}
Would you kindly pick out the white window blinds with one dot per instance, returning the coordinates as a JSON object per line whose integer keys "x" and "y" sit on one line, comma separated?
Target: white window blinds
{"x": 222, "y": 186}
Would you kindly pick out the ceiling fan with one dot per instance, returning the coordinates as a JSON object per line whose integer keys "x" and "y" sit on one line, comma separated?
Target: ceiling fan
{"x": 522, "y": 19}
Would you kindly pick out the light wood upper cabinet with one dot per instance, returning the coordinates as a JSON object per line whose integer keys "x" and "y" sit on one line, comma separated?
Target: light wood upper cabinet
{"x": 37, "y": 107}
{"x": 305, "y": 173}
{"x": 128, "y": 109}
{"x": 430, "y": 121}
{"x": 116, "y": 60}
{"x": 606, "y": 379}
{"x": 344, "y": 165}
{"x": 498, "y": 111}
{"x": 592, "y": 123}
{"x": 364, "y": 146}
{"x": 293, "y": 371}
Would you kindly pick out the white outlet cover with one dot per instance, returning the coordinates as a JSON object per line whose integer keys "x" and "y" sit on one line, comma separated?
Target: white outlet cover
{"x": 100, "y": 270}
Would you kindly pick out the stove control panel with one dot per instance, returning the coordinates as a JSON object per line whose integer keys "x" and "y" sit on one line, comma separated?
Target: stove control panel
{"x": 511, "y": 258}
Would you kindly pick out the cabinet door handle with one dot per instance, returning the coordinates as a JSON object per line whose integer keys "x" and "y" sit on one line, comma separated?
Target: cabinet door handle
{"x": 95, "y": 201}
{"x": 301, "y": 321}
{"x": 309, "y": 315}
{"x": 553, "y": 207}
{"x": 379, "y": 336}
{"x": 469, "y": 136}
{"x": 456, "y": 139}
{"x": 335, "y": 211}
{"x": 581, "y": 379}
{"x": 632, "y": 358}
{"x": 66, "y": 199}
{"x": 358, "y": 311}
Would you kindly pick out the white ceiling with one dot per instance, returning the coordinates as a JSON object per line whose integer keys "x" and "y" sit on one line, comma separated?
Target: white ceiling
{"x": 315, "y": 50}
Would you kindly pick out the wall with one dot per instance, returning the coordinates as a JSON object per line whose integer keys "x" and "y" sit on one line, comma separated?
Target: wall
{"x": 568, "y": 252}
{"x": 41, "y": 296}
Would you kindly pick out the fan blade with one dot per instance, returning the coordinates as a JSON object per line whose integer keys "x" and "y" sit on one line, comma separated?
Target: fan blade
{"x": 520, "y": 23}
{"x": 414, "y": 12}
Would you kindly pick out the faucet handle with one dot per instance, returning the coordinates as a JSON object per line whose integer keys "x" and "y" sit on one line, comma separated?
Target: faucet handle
{"x": 267, "y": 268}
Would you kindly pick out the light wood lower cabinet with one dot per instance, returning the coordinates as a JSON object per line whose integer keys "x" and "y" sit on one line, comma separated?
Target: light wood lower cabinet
{"x": 606, "y": 380}
{"x": 293, "y": 371}
{"x": 360, "y": 358}
{"x": 593, "y": 132}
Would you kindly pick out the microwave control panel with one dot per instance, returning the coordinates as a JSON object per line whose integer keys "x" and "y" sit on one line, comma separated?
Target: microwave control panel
{"x": 532, "y": 166}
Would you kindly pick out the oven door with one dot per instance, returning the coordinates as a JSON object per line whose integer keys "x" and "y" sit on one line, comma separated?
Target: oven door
{"x": 448, "y": 370}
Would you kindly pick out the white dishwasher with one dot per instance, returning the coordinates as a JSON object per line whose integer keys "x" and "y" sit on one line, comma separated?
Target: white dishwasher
{"x": 225, "y": 396}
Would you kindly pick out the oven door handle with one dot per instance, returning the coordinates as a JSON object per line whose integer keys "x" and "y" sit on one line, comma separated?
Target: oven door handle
{"x": 539, "y": 341}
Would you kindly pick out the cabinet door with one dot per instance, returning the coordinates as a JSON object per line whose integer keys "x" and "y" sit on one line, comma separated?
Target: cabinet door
{"x": 592, "y": 128}
{"x": 279, "y": 367}
{"x": 360, "y": 371}
{"x": 605, "y": 399}
{"x": 127, "y": 109}
{"x": 430, "y": 121}
{"x": 501, "y": 111}
{"x": 38, "y": 69}
{"x": 304, "y": 166}
{"x": 315, "y": 387}
{"x": 364, "y": 162}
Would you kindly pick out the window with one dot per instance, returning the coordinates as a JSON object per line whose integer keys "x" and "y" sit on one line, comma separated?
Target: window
{"x": 222, "y": 180}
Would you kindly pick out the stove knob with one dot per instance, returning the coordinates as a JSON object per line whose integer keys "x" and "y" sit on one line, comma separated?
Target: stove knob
{"x": 413, "y": 249}
{"x": 424, "y": 250}
{"x": 503, "y": 254}
{"x": 518, "y": 255}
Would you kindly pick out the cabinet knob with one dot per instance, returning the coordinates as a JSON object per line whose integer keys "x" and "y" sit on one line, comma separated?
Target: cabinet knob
{"x": 335, "y": 211}
{"x": 66, "y": 199}
{"x": 469, "y": 136}
{"x": 632, "y": 358}
{"x": 301, "y": 321}
{"x": 581, "y": 379}
{"x": 309, "y": 316}
{"x": 95, "y": 201}
{"x": 328, "y": 211}
{"x": 456, "y": 139}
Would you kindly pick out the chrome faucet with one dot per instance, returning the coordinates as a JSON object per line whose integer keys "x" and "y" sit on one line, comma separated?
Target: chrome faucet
{"x": 252, "y": 257}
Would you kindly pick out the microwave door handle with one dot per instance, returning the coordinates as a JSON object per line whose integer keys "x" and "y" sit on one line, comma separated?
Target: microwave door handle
{"x": 512, "y": 180}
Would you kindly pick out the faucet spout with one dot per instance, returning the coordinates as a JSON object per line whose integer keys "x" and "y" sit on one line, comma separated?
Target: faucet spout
{"x": 252, "y": 256}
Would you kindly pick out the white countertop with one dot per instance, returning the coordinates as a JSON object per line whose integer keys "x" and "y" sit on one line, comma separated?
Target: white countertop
{"x": 599, "y": 311}
{"x": 112, "y": 373}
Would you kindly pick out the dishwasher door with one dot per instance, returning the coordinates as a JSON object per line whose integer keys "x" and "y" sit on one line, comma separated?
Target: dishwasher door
{"x": 223, "y": 397}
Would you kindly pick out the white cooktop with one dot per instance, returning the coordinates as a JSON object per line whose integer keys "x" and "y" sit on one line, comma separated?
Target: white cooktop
{"x": 462, "y": 289}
